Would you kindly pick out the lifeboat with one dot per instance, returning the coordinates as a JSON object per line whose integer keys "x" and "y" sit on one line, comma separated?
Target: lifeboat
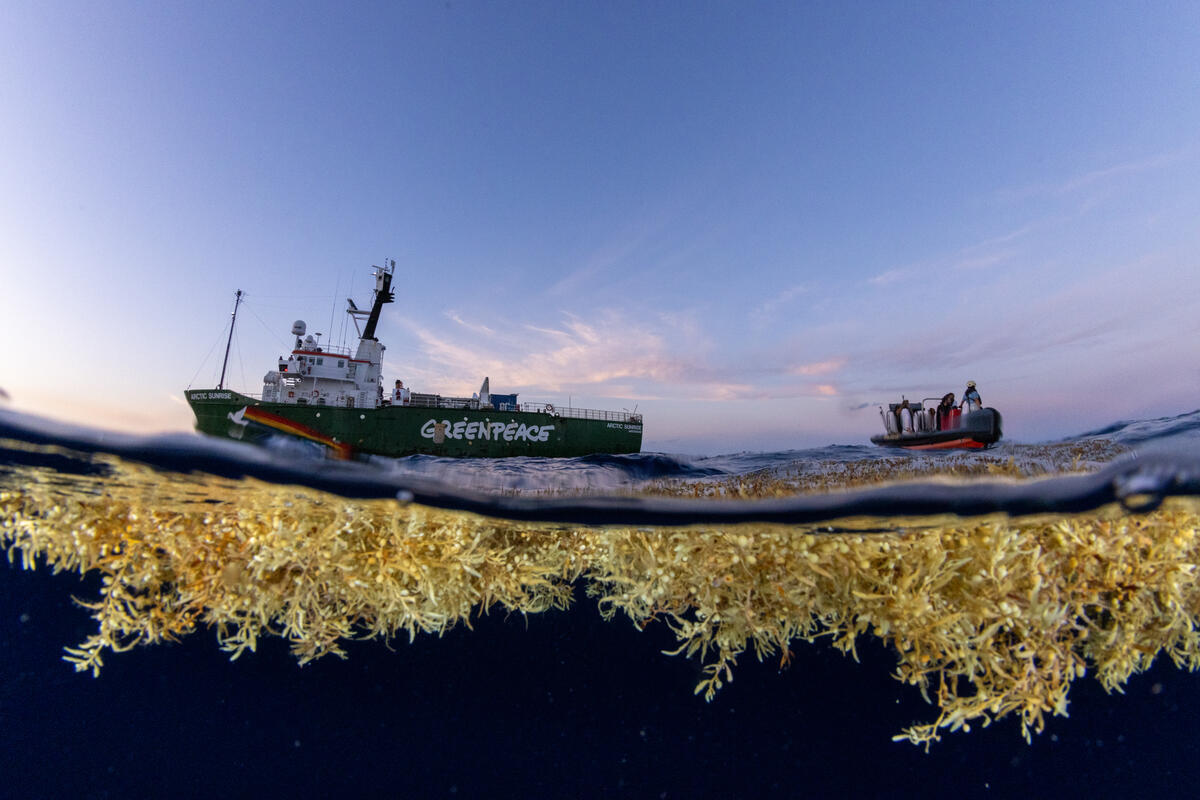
{"x": 923, "y": 426}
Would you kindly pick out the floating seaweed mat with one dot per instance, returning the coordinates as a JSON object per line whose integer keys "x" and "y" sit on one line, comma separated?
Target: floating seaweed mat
{"x": 988, "y": 615}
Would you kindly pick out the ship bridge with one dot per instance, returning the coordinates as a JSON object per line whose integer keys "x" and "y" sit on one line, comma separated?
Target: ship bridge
{"x": 330, "y": 376}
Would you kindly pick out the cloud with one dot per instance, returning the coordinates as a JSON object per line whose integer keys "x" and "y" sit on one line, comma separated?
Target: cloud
{"x": 1081, "y": 326}
{"x": 981, "y": 255}
{"x": 450, "y": 357}
{"x": 768, "y": 310}
{"x": 474, "y": 327}
{"x": 818, "y": 368}
{"x": 1097, "y": 177}
{"x": 1127, "y": 168}
{"x": 982, "y": 261}
{"x": 626, "y": 252}
{"x": 889, "y": 277}
{"x": 1004, "y": 238}
{"x": 726, "y": 391}
{"x": 593, "y": 355}
{"x": 607, "y": 354}
{"x": 880, "y": 349}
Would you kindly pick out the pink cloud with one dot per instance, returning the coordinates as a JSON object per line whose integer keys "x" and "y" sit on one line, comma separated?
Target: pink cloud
{"x": 819, "y": 367}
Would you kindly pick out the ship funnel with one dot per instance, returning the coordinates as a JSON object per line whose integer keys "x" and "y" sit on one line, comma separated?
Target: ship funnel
{"x": 298, "y": 328}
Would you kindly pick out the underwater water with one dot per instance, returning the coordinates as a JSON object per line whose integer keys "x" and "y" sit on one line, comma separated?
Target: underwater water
{"x": 652, "y": 626}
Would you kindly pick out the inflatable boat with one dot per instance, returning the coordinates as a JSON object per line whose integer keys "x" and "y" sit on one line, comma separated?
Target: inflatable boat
{"x": 924, "y": 425}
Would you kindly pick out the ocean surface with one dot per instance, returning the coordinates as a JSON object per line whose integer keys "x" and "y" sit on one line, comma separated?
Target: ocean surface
{"x": 553, "y": 625}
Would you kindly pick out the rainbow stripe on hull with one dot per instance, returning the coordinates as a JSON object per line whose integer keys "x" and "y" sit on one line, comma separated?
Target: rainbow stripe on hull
{"x": 275, "y": 422}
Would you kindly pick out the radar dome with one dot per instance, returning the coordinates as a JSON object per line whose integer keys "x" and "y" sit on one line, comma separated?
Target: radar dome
{"x": 298, "y": 328}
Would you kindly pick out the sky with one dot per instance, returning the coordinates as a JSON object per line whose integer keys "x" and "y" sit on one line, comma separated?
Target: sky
{"x": 755, "y": 223}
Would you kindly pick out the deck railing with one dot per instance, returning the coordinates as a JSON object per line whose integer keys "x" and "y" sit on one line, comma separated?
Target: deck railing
{"x": 328, "y": 350}
{"x": 582, "y": 413}
{"x": 435, "y": 401}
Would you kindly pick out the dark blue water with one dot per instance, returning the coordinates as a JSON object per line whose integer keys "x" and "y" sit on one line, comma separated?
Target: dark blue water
{"x": 559, "y": 704}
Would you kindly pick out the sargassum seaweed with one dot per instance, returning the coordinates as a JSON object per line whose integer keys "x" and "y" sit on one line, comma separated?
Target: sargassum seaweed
{"x": 988, "y": 618}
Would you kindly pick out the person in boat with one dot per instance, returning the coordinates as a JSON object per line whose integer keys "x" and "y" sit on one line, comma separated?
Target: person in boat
{"x": 906, "y": 420}
{"x": 945, "y": 410}
{"x": 946, "y": 405}
{"x": 971, "y": 401}
{"x": 400, "y": 395}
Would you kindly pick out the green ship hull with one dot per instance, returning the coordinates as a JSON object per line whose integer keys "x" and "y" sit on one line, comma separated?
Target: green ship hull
{"x": 404, "y": 430}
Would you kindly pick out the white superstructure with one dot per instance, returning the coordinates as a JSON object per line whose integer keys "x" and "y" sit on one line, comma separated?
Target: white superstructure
{"x": 330, "y": 376}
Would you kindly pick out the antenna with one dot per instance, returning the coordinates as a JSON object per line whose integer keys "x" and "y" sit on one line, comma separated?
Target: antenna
{"x": 236, "y": 302}
{"x": 333, "y": 306}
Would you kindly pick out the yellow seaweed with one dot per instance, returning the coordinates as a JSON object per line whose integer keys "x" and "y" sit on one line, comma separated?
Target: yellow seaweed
{"x": 988, "y": 617}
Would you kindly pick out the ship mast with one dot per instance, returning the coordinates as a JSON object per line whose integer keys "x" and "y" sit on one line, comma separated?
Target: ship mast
{"x": 383, "y": 294}
{"x": 237, "y": 300}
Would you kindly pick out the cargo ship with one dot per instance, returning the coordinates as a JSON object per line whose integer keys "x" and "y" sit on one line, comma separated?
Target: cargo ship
{"x": 926, "y": 425}
{"x": 335, "y": 398}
